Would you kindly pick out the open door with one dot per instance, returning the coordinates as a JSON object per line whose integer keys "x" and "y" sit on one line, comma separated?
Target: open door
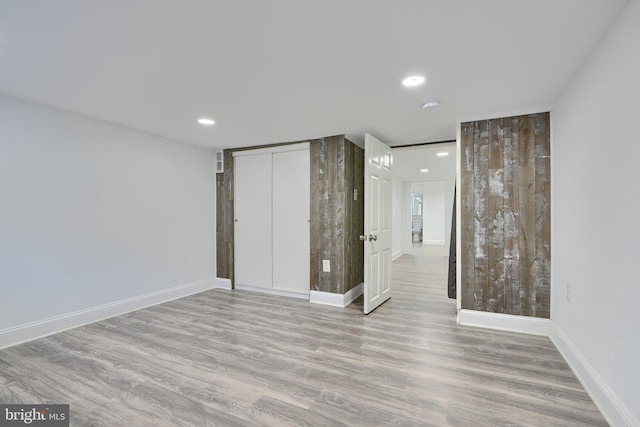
{"x": 377, "y": 222}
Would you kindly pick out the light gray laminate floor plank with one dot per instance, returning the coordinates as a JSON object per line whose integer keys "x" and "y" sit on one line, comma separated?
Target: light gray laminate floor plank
{"x": 238, "y": 358}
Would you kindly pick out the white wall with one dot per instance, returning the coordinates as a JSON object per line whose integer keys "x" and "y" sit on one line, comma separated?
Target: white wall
{"x": 596, "y": 228}
{"x": 441, "y": 223}
{"x": 92, "y": 214}
{"x": 407, "y": 237}
{"x": 433, "y": 213}
{"x": 396, "y": 215}
{"x": 401, "y": 218}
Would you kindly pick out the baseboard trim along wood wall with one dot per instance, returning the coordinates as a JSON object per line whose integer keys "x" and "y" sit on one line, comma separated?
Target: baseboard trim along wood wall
{"x": 272, "y": 291}
{"x": 222, "y": 283}
{"x": 505, "y": 322}
{"x": 30, "y": 331}
{"x": 615, "y": 412}
{"x": 337, "y": 300}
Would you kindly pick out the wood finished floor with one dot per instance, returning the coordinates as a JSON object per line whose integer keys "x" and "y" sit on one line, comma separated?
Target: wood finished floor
{"x": 245, "y": 359}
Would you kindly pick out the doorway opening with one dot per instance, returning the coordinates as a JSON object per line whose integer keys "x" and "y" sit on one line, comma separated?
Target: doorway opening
{"x": 417, "y": 222}
{"x": 423, "y": 184}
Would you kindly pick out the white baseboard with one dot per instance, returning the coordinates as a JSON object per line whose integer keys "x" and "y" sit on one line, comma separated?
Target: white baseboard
{"x": 614, "y": 411}
{"x": 337, "y": 300}
{"x": 271, "y": 291}
{"x": 396, "y": 255}
{"x": 52, "y": 325}
{"x": 326, "y": 298}
{"x": 352, "y": 294}
{"x": 505, "y": 322}
{"x": 433, "y": 242}
{"x": 222, "y": 283}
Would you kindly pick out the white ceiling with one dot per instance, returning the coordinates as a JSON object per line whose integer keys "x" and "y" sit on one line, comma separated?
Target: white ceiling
{"x": 283, "y": 70}
{"x": 407, "y": 162}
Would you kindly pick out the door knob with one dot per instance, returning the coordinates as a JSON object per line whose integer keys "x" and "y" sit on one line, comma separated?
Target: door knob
{"x": 370, "y": 237}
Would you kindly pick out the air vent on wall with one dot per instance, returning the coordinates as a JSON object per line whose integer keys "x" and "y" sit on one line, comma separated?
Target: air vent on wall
{"x": 219, "y": 162}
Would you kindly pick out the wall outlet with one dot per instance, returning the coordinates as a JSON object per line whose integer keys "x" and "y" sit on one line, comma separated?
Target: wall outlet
{"x": 568, "y": 292}
{"x": 326, "y": 266}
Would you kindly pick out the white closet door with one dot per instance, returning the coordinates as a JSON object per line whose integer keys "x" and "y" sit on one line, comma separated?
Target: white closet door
{"x": 291, "y": 210}
{"x": 253, "y": 203}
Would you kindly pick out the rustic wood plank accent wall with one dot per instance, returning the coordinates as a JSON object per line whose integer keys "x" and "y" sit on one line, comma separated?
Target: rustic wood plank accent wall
{"x": 506, "y": 215}
{"x": 337, "y": 220}
{"x": 224, "y": 219}
{"x": 337, "y": 167}
{"x": 356, "y": 251}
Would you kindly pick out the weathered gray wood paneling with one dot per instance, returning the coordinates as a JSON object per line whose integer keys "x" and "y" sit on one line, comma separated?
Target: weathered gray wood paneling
{"x": 526, "y": 135}
{"x": 326, "y": 215}
{"x": 466, "y": 212}
{"x": 481, "y": 216}
{"x": 505, "y": 213}
{"x": 495, "y": 213}
{"x": 224, "y": 219}
{"x": 358, "y": 219}
{"x": 347, "y": 194}
{"x": 354, "y": 254}
{"x": 318, "y": 172}
{"x": 511, "y": 203}
{"x": 542, "y": 215}
{"x": 337, "y": 220}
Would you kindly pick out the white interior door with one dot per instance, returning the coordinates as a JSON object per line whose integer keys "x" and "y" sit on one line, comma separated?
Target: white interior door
{"x": 377, "y": 222}
{"x": 291, "y": 210}
{"x": 253, "y": 210}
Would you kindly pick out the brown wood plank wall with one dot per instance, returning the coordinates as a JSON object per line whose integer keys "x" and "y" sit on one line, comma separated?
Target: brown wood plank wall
{"x": 357, "y": 274}
{"x": 506, "y": 216}
{"x": 336, "y": 222}
{"x": 337, "y": 167}
{"x": 224, "y": 219}
{"x": 467, "y": 247}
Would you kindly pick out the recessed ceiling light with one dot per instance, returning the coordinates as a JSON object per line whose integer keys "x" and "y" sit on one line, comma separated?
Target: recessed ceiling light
{"x": 430, "y": 105}
{"x": 206, "y": 121}
{"x": 413, "y": 81}
{"x": 424, "y": 170}
{"x": 442, "y": 154}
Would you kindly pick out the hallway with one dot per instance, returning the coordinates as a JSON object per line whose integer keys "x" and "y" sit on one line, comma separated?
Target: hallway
{"x": 419, "y": 286}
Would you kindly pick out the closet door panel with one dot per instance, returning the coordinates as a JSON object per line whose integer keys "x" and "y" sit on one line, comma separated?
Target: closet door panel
{"x": 291, "y": 205}
{"x": 253, "y": 209}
